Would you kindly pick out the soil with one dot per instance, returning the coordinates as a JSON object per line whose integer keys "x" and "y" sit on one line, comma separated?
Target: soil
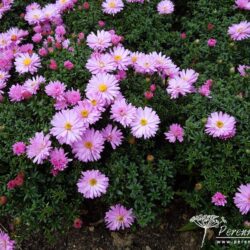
{"x": 163, "y": 237}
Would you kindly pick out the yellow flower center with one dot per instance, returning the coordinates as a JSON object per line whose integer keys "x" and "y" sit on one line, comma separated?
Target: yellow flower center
{"x": 112, "y": 4}
{"x": 144, "y": 122}
{"x": 63, "y": 1}
{"x": 13, "y": 38}
{"x": 27, "y": 61}
{"x": 146, "y": 65}
{"x": 134, "y": 59}
{"x": 1, "y": 76}
{"x": 94, "y": 102}
{"x": 68, "y": 126}
{"x": 85, "y": 113}
{"x": 219, "y": 124}
{"x": 118, "y": 58}
{"x": 88, "y": 145}
{"x": 120, "y": 218}
{"x": 92, "y": 182}
{"x": 103, "y": 87}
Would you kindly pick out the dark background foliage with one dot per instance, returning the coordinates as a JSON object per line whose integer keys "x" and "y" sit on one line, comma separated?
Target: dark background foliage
{"x": 47, "y": 204}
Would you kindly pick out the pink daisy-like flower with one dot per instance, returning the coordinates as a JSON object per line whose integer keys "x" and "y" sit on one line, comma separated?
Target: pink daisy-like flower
{"x": 73, "y": 96}
{"x": 39, "y": 148}
{"x": 177, "y": 87}
{"x": 165, "y": 7}
{"x": 89, "y": 147}
{"x": 55, "y": 89}
{"x": 59, "y": 159}
{"x": 100, "y": 63}
{"x": 16, "y": 93}
{"x": 242, "y": 69}
{"x": 239, "y": 31}
{"x": 105, "y": 85}
{"x": 221, "y": 125}
{"x": 112, "y": 6}
{"x": 243, "y": 4}
{"x": 67, "y": 126}
{"x": 123, "y": 113}
{"x": 121, "y": 57}
{"x": 5, "y": 242}
{"x": 32, "y": 85}
{"x": 113, "y": 135}
{"x": 134, "y": 57}
{"x": 19, "y": 148}
{"x": 242, "y": 198}
{"x": 145, "y": 64}
{"x": 119, "y": 217}
{"x": 27, "y": 63}
{"x": 161, "y": 61}
{"x": 99, "y": 41}
{"x": 92, "y": 184}
{"x": 87, "y": 112}
{"x": 4, "y": 76}
{"x": 63, "y": 5}
{"x": 176, "y": 132}
{"x": 146, "y": 123}
{"x": 219, "y": 199}
{"x": 34, "y": 16}
{"x": 189, "y": 75}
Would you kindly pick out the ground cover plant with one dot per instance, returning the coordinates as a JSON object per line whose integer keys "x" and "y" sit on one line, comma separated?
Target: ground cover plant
{"x": 121, "y": 107}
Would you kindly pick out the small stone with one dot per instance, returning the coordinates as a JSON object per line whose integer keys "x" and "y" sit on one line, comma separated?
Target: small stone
{"x": 91, "y": 229}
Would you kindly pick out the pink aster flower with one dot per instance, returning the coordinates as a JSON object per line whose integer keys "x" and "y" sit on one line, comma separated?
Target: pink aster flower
{"x": 242, "y": 69}
{"x": 19, "y": 148}
{"x": 123, "y": 112}
{"x": 100, "y": 63}
{"x": 161, "y": 61}
{"x": 243, "y": 4}
{"x": 211, "y": 42}
{"x": 205, "y": 89}
{"x": 134, "y": 57}
{"x": 34, "y": 16}
{"x": 165, "y": 7}
{"x": 87, "y": 112}
{"x": 221, "y": 125}
{"x": 177, "y": 87}
{"x": 55, "y": 89}
{"x": 4, "y": 76}
{"x": 59, "y": 159}
{"x": 63, "y": 5}
{"x": 119, "y": 217}
{"x": 67, "y": 126}
{"x": 99, "y": 41}
{"x": 219, "y": 199}
{"x": 242, "y": 198}
{"x": 145, "y": 64}
{"x": 121, "y": 57}
{"x": 89, "y": 147}
{"x": 189, "y": 75}
{"x": 113, "y": 135}
{"x": 239, "y": 31}
{"x": 92, "y": 184}
{"x": 27, "y": 63}
{"x": 145, "y": 124}
{"x": 105, "y": 85}
{"x": 112, "y": 6}
{"x": 73, "y": 96}
{"x": 5, "y": 242}
{"x": 16, "y": 93}
{"x": 176, "y": 132}
{"x": 68, "y": 65}
{"x": 39, "y": 148}
{"x": 33, "y": 85}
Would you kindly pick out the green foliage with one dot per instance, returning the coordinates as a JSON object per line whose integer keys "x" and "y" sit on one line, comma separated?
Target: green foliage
{"x": 48, "y": 204}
